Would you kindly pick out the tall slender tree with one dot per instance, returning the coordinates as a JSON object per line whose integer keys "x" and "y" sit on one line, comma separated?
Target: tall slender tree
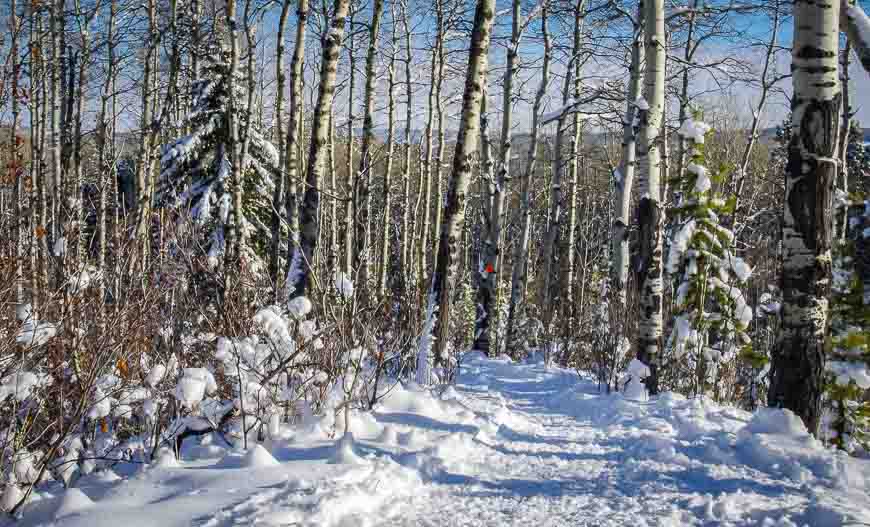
{"x": 623, "y": 176}
{"x": 649, "y": 210}
{"x": 301, "y": 270}
{"x": 444, "y": 277}
{"x": 362, "y": 180}
{"x": 799, "y": 356}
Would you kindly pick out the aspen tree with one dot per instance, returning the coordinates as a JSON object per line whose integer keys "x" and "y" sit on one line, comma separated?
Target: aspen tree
{"x": 799, "y": 356}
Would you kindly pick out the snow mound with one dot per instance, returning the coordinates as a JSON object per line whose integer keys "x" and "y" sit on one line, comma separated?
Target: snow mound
{"x": 777, "y": 442}
{"x": 344, "y": 453}
{"x": 165, "y": 458}
{"x": 73, "y": 501}
{"x": 11, "y": 496}
{"x": 388, "y": 436}
{"x": 776, "y": 421}
{"x": 258, "y": 457}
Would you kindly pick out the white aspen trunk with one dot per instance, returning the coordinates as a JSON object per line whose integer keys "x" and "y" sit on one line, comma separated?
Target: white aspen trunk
{"x": 363, "y": 177}
{"x": 233, "y": 229}
{"x": 407, "y": 234}
{"x": 688, "y": 55}
{"x": 623, "y": 178}
{"x": 549, "y": 261}
{"x": 388, "y": 168}
{"x": 332, "y": 256}
{"x": 568, "y": 306}
{"x": 37, "y": 110}
{"x": 491, "y": 243}
{"x": 842, "y": 147}
{"x": 650, "y": 212}
{"x": 797, "y": 366}
{"x": 449, "y": 254}
{"x": 347, "y": 263}
{"x": 107, "y": 164}
{"x": 303, "y": 258}
{"x": 14, "y": 162}
{"x": 292, "y": 161}
{"x": 143, "y": 164}
{"x": 485, "y": 268}
{"x": 521, "y": 249}
{"x": 55, "y": 23}
{"x": 278, "y": 194}
{"x": 426, "y": 177}
{"x": 438, "y": 193}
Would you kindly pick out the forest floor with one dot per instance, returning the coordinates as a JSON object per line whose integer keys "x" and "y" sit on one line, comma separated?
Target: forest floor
{"x": 511, "y": 444}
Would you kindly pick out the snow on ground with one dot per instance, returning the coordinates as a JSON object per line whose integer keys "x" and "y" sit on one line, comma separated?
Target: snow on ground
{"x": 511, "y": 444}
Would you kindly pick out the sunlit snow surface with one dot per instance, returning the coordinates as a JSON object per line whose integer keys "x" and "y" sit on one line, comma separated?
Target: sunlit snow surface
{"x": 511, "y": 444}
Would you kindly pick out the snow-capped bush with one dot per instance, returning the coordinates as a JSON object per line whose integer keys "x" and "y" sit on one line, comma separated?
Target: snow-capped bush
{"x": 632, "y": 381}
{"x": 274, "y": 366}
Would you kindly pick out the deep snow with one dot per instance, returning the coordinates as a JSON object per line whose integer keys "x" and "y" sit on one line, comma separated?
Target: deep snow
{"x": 511, "y": 444}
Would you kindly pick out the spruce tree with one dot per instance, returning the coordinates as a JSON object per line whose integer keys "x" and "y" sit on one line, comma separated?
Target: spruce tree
{"x": 195, "y": 169}
{"x": 711, "y": 313}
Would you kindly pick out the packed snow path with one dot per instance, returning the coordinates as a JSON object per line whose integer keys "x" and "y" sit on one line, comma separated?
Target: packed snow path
{"x": 512, "y": 444}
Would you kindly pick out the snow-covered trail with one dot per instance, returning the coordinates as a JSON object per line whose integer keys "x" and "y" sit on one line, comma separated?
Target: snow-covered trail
{"x": 511, "y": 444}
{"x": 552, "y": 451}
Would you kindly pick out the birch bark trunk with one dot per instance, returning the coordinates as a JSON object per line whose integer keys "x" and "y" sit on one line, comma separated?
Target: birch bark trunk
{"x": 650, "y": 213}
{"x": 466, "y": 145}
{"x": 299, "y": 279}
{"x": 624, "y": 176}
{"x": 362, "y": 181}
{"x": 550, "y": 255}
{"x": 294, "y": 139}
{"x": 388, "y": 167}
{"x": 521, "y": 249}
{"x": 491, "y": 243}
{"x": 798, "y": 360}
{"x": 278, "y": 194}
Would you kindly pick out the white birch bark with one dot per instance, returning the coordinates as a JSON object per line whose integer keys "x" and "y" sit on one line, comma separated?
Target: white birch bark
{"x": 623, "y": 177}
{"x": 292, "y": 160}
{"x": 466, "y": 145}
{"x": 300, "y": 277}
{"x": 650, "y": 213}
{"x": 364, "y": 174}
{"x": 521, "y": 249}
{"x": 798, "y": 360}
{"x": 491, "y": 243}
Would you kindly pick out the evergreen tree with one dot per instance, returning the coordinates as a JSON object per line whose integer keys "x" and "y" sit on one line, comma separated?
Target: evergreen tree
{"x": 711, "y": 313}
{"x": 847, "y": 414}
{"x": 195, "y": 169}
{"x": 858, "y": 159}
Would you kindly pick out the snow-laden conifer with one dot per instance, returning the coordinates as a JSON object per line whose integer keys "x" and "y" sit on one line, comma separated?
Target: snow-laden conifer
{"x": 195, "y": 169}
{"x": 711, "y": 313}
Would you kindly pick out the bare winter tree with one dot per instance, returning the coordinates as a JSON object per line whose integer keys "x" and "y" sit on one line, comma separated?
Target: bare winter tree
{"x": 301, "y": 266}
{"x": 623, "y": 176}
{"x": 362, "y": 179}
{"x": 498, "y": 187}
{"x": 799, "y": 357}
{"x": 649, "y": 210}
{"x": 444, "y": 276}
